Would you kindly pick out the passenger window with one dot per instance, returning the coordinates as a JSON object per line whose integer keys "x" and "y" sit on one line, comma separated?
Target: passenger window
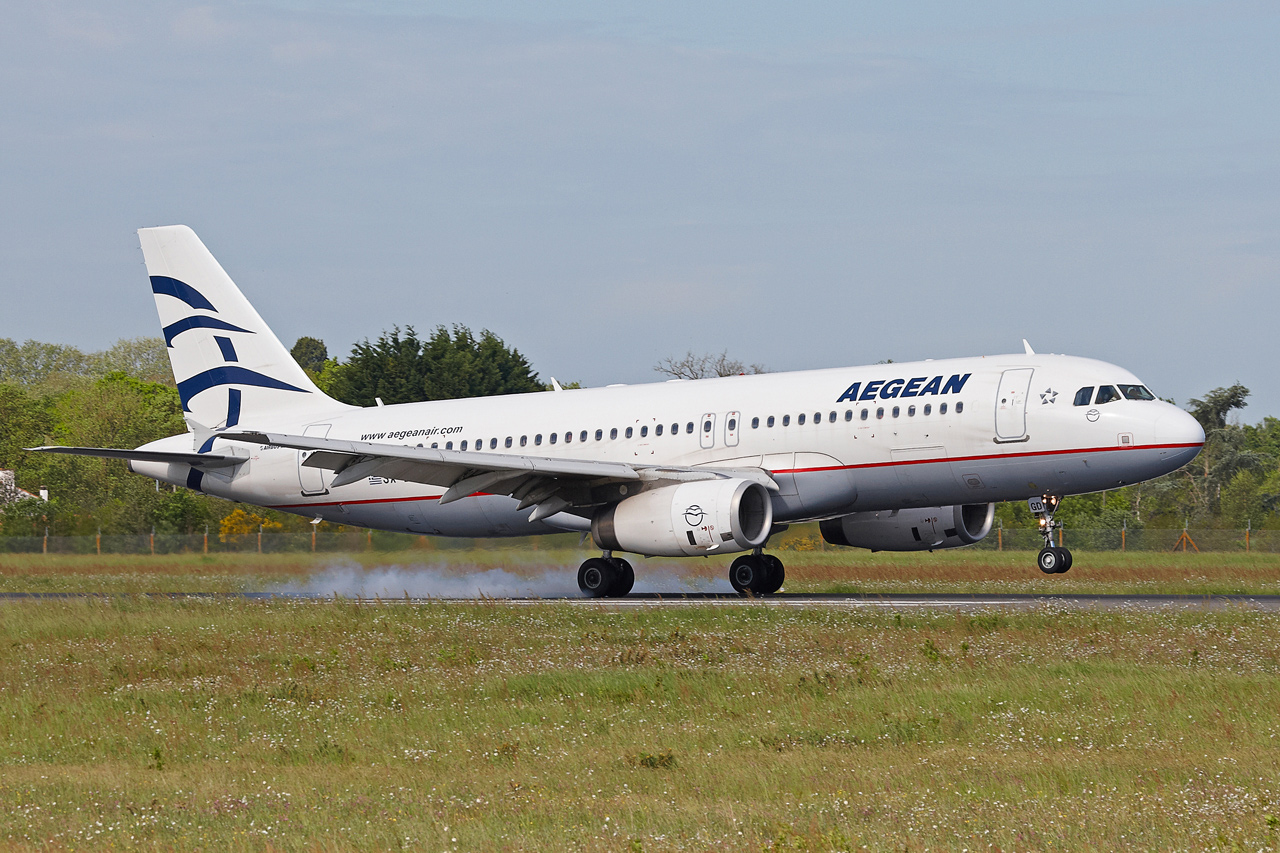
{"x": 657, "y": 430}
{"x": 755, "y": 423}
{"x": 537, "y": 440}
{"x": 928, "y": 408}
{"x": 1136, "y": 392}
{"x": 769, "y": 423}
{"x": 688, "y": 428}
{"x": 507, "y": 443}
{"x": 911, "y": 411}
{"x": 959, "y": 407}
{"x": 1084, "y": 395}
{"x": 848, "y": 414}
{"x": 554, "y": 436}
{"x": 599, "y": 435}
{"x": 880, "y": 412}
{"x": 464, "y": 444}
{"x": 942, "y": 408}
{"x": 817, "y": 417}
{"x": 799, "y": 420}
{"x": 644, "y": 431}
{"x": 831, "y": 418}
{"x": 493, "y": 443}
{"x": 675, "y": 429}
{"x": 568, "y": 438}
{"x": 863, "y": 416}
{"x": 895, "y": 411}
{"x": 524, "y": 440}
{"x": 733, "y": 424}
{"x": 706, "y": 426}
{"x": 1106, "y": 394}
{"x": 786, "y": 420}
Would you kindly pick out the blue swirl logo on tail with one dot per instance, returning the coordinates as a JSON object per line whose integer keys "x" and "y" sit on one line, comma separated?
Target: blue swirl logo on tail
{"x": 181, "y": 290}
{"x": 229, "y": 375}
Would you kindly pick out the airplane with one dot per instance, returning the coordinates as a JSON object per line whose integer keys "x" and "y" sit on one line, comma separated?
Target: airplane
{"x": 896, "y": 456}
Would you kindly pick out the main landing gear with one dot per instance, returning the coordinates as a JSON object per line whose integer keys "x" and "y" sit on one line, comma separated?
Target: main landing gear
{"x": 606, "y": 575}
{"x": 757, "y": 573}
{"x": 1052, "y": 559}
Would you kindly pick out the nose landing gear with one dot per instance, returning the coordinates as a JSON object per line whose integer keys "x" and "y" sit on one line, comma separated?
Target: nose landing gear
{"x": 1052, "y": 559}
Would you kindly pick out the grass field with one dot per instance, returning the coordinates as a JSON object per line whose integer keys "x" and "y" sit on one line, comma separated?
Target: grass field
{"x": 291, "y": 725}
{"x": 503, "y": 571}
{"x": 331, "y": 725}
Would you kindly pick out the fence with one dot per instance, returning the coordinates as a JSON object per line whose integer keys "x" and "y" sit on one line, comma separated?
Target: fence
{"x": 349, "y": 541}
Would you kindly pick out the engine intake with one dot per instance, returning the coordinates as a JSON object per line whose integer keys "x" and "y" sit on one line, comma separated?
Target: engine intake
{"x": 911, "y": 529}
{"x": 687, "y": 519}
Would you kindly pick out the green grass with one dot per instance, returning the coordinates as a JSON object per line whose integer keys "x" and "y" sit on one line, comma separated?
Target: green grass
{"x": 143, "y": 724}
{"x": 843, "y": 570}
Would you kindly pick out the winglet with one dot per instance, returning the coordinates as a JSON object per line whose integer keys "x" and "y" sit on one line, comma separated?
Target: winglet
{"x": 555, "y": 386}
{"x": 1027, "y": 347}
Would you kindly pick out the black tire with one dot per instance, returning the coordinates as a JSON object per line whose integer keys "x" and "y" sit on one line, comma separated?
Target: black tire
{"x": 1050, "y": 561}
{"x": 777, "y": 574}
{"x": 596, "y": 577}
{"x": 624, "y": 580}
{"x": 1066, "y": 560}
{"x": 745, "y": 574}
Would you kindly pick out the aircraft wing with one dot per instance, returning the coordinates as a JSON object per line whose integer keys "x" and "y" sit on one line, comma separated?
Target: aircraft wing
{"x": 200, "y": 460}
{"x": 549, "y": 485}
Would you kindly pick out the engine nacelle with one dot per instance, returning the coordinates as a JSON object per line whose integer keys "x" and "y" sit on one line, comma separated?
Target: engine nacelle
{"x": 911, "y": 529}
{"x": 705, "y": 516}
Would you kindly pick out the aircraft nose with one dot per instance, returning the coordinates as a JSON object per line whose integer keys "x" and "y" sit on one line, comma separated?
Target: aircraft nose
{"x": 1180, "y": 437}
{"x": 1179, "y": 428}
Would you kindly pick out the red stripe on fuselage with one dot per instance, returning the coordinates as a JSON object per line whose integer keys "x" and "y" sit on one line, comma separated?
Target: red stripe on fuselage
{"x": 863, "y": 465}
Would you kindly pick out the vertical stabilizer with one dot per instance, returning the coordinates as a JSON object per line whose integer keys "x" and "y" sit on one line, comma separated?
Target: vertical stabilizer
{"x": 228, "y": 364}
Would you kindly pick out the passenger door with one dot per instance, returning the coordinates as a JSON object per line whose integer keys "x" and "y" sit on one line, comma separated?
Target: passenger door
{"x": 311, "y": 480}
{"x": 1011, "y": 404}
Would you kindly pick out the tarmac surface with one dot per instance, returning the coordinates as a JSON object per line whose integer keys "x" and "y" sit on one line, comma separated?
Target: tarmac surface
{"x": 1013, "y": 601}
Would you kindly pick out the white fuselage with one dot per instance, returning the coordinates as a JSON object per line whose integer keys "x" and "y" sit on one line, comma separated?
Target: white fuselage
{"x": 842, "y": 440}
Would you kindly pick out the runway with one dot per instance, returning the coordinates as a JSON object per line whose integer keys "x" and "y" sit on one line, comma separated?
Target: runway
{"x": 902, "y": 601}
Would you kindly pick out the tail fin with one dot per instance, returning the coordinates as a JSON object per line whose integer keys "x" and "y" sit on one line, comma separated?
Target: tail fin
{"x": 228, "y": 363}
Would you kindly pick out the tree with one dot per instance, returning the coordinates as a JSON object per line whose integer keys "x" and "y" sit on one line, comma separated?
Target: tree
{"x": 310, "y": 353}
{"x": 1226, "y": 454}
{"x": 692, "y": 366}
{"x": 1212, "y": 410}
{"x": 402, "y": 368}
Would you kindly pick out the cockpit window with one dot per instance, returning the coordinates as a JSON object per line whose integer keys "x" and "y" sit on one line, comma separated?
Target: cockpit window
{"x": 1106, "y": 394}
{"x": 1136, "y": 392}
{"x": 1084, "y": 395}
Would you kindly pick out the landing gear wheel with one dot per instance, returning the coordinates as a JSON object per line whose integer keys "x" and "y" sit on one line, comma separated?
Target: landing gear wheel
{"x": 624, "y": 580}
{"x": 777, "y": 574}
{"x": 746, "y": 574}
{"x": 596, "y": 577}
{"x": 1054, "y": 561}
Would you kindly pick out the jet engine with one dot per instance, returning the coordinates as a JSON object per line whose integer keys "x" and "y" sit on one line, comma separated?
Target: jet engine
{"x": 705, "y": 516}
{"x": 911, "y": 529}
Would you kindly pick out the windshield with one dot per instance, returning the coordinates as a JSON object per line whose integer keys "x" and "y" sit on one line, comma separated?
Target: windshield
{"x": 1105, "y": 395}
{"x": 1136, "y": 392}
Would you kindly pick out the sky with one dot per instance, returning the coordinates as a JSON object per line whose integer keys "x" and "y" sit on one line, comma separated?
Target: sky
{"x": 607, "y": 184}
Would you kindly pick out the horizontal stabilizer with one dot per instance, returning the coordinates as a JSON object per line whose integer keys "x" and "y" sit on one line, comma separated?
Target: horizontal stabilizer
{"x": 200, "y": 460}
